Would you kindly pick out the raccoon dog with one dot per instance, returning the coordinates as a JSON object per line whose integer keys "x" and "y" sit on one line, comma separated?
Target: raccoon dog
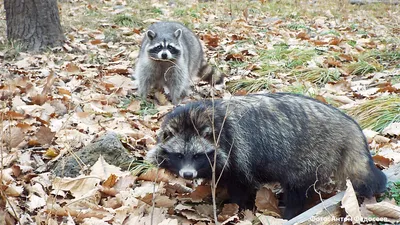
{"x": 171, "y": 55}
{"x": 263, "y": 138}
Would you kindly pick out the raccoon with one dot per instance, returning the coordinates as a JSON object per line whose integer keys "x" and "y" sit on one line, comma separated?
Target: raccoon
{"x": 295, "y": 140}
{"x": 171, "y": 55}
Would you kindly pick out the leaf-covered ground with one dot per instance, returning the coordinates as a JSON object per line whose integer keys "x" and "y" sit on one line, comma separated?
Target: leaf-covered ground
{"x": 56, "y": 102}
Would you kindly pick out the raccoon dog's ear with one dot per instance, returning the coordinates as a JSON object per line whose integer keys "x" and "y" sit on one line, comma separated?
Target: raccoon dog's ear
{"x": 178, "y": 33}
{"x": 150, "y": 34}
{"x": 206, "y": 131}
{"x": 166, "y": 133}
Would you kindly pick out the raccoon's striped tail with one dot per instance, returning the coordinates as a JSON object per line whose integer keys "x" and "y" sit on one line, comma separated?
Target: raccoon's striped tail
{"x": 210, "y": 74}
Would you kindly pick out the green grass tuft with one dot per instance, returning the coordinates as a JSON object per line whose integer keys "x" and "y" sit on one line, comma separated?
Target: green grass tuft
{"x": 378, "y": 113}
{"x": 297, "y": 26}
{"x": 111, "y": 35}
{"x": 352, "y": 43}
{"x": 363, "y": 67}
{"x": 300, "y": 88}
{"x": 333, "y": 32}
{"x": 94, "y": 58}
{"x": 393, "y": 191}
{"x": 156, "y": 11}
{"x": 127, "y": 20}
{"x": 395, "y": 79}
{"x": 249, "y": 85}
{"x": 147, "y": 108}
{"x": 290, "y": 58}
{"x": 319, "y": 76}
{"x": 140, "y": 166}
{"x": 387, "y": 58}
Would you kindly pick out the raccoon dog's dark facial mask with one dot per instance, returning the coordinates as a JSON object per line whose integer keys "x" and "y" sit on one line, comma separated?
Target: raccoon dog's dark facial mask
{"x": 189, "y": 165}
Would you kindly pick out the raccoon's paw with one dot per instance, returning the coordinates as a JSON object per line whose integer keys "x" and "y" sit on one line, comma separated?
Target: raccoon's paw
{"x": 177, "y": 97}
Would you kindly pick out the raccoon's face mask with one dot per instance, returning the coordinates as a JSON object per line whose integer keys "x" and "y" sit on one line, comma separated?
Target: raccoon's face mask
{"x": 164, "y": 48}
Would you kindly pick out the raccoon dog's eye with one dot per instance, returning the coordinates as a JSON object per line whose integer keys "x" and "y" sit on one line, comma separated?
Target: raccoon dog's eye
{"x": 164, "y": 150}
{"x": 210, "y": 153}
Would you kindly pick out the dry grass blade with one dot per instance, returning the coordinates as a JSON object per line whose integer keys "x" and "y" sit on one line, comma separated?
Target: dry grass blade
{"x": 378, "y": 113}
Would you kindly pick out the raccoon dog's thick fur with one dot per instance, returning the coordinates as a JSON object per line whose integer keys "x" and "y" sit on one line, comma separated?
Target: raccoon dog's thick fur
{"x": 171, "y": 55}
{"x": 263, "y": 138}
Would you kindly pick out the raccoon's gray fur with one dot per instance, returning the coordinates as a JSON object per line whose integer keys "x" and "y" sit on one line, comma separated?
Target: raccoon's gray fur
{"x": 171, "y": 55}
{"x": 264, "y": 138}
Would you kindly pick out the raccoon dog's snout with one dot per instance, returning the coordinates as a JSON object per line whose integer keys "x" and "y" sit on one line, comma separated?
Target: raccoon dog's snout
{"x": 188, "y": 172}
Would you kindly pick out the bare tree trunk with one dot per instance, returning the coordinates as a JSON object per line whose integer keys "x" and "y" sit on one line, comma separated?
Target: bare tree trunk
{"x": 35, "y": 23}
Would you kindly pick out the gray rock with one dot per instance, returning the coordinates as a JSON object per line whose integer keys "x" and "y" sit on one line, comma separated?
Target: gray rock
{"x": 108, "y": 145}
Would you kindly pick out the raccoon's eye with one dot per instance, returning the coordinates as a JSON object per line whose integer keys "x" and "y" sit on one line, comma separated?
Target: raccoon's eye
{"x": 196, "y": 156}
{"x": 169, "y": 47}
{"x": 159, "y": 47}
{"x": 180, "y": 156}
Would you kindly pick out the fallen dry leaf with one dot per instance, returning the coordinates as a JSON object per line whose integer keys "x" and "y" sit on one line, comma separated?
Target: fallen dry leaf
{"x": 393, "y": 129}
{"x": 385, "y": 209}
{"x": 169, "y": 222}
{"x": 111, "y": 181}
{"x": 44, "y": 135}
{"x": 200, "y": 192}
{"x": 267, "y": 202}
{"x": 382, "y": 161}
{"x": 78, "y": 186}
{"x": 228, "y": 211}
{"x": 156, "y": 174}
{"x": 159, "y": 201}
{"x": 104, "y": 170}
{"x": 350, "y": 203}
{"x": 269, "y": 220}
{"x": 13, "y": 137}
{"x": 161, "y": 98}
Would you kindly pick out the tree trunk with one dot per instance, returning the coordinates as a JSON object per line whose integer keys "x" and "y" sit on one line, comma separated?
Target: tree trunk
{"x": 35, "y": 23}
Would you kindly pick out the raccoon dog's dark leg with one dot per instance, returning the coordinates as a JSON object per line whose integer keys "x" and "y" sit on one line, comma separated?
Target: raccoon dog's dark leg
{"x": 241, "y": 194}
{"x": 295, "y": 199}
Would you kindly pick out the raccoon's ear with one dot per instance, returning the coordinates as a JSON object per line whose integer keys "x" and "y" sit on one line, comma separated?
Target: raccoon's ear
{"x": 178, "y": 33}
{"x": 150, "y": 34}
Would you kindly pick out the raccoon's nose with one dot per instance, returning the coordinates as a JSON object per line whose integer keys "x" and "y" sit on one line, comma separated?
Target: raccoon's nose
{"x": 188, "y": 175}
{"x": 164, "y": 55}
